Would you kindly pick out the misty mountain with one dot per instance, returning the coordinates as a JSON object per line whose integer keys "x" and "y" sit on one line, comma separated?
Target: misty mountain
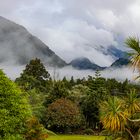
{"x": 116, "y": 52}
{"x": 121, "y": 59}
{"x": 113, "y": 51}
{"x": 18, "y": 46}
{"x": 84, "y": 64}
{"x": 120, "y": 63}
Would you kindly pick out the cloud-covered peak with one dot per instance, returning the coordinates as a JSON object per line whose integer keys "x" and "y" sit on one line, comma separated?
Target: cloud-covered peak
{"x": 77, "y": 28}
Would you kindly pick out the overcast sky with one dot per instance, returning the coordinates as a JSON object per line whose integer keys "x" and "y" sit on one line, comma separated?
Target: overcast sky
{"x": 75, "y": 28}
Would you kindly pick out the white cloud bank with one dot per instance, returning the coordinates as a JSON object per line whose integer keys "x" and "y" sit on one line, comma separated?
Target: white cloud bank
{"x": 120, "y": 74}
{"x": 77, "y": 27}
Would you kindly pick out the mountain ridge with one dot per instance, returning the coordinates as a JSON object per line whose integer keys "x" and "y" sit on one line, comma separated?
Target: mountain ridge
{"x": 20, "y": 46}
{"x": 83, "y": 63}
{"x": 120, "y": 63}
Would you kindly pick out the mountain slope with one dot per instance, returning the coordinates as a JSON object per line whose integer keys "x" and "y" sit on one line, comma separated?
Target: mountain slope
{"x": 112, "y": 51}
{"x": 120, "y": 62}
{"x": 18, "y": 46}
{"x": 116, "y": 52}
{"x": 84, "y": 64}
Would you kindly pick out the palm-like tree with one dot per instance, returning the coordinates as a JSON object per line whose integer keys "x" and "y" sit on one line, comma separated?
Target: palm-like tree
{"x": 134, "y": 44}
{"x": 132, "y": 103}
{"x": 121, "y": 116}
{"x": 112, "y": 114}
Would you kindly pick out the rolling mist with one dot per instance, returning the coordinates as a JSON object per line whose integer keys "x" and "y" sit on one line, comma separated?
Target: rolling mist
{"x": 13, "y": 71}
{"x": 18, "y": 47}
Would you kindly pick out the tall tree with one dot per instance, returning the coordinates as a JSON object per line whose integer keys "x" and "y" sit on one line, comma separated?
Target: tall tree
{"x": 90, "y": 109}
{"x": 34, "y": 76}
{"x": 58, "y": 90}
{"x": 112, "y": 114}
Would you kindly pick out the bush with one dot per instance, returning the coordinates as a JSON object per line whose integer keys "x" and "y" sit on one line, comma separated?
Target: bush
{"x": 63, "y": 114}
{"x": 35, "y": 131}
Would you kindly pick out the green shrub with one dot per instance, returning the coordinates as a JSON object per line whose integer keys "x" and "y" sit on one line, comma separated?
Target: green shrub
{"x": 63, "y": 114}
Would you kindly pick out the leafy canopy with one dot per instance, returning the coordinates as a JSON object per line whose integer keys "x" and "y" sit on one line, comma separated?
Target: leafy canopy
{"x": 63, "y": 113}
{"x": 34, "y": 76}
{"x": 14, "y": 108}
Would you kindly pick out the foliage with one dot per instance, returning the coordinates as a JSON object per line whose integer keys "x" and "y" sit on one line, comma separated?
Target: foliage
{"x": 113, "y": 116}
{"x": 35, "y": 131}
{"x": 98, "y": 84}
{"x": 134, "y": 44}
{"x": 132, "y": 103}
{"x": 72, "y": 82}
{"x": 36, "y": 99}
{"x": 78, "y": 93}
{"x": 57, "y": 91}
{"x": 14, "y": 108}
{"x": 121, "y": 117}
{"x": 89, "y": 107}
{"x": 34, "y": 76}
{"x": 63, "y": 113}
{"x": 13, "y": 137}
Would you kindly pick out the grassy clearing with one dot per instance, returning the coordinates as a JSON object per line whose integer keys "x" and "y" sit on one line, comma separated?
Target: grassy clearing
{"x": 73, "y": 137}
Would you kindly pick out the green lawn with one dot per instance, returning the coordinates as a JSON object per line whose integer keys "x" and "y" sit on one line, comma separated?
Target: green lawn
{"x": 73, "y": 137}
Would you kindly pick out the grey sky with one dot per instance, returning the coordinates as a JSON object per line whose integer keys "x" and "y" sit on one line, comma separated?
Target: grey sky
{"x": 75, "y": 28}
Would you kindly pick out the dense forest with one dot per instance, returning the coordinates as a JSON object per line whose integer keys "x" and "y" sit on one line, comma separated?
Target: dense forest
{"x": 35, "y": 105}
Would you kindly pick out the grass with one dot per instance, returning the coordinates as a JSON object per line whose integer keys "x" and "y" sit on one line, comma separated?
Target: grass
{"x": 75, "y": 137}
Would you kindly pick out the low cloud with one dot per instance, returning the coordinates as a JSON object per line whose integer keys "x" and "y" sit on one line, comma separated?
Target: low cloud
{"x": 12, "y": 71}
{"x": 77, "y": 39}
{"x": 118, "y": 73}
